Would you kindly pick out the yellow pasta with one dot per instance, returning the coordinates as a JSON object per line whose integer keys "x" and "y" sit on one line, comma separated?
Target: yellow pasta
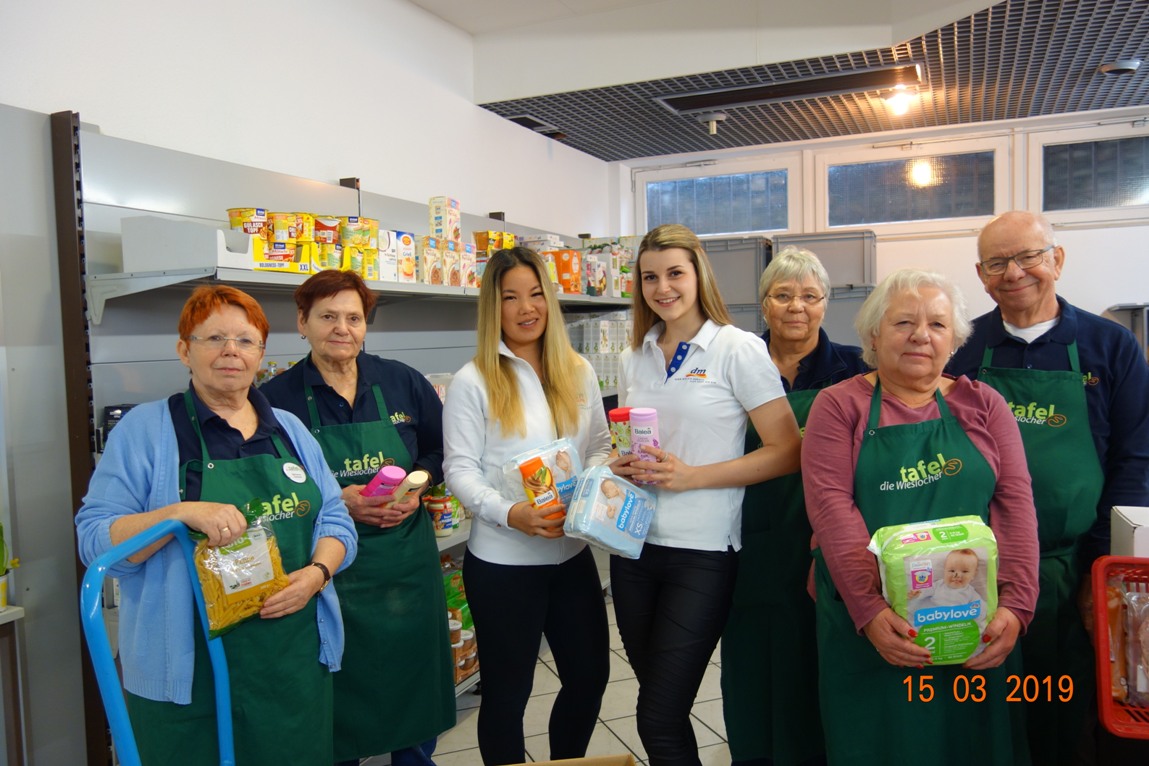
{"x": 238, "y": 578}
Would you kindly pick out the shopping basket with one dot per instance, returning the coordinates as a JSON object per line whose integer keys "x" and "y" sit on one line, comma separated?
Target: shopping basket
{"x": 1123, "y": 720}
{"x": 101, "y": 650}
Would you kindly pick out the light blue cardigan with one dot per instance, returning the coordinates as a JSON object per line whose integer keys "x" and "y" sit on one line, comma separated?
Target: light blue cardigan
{"x": 139, "y": 472}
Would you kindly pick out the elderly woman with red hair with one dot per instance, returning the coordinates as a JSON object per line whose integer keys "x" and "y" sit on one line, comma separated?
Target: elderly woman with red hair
{"x": 396, "y": 693}
{"x": 194, "y": 457}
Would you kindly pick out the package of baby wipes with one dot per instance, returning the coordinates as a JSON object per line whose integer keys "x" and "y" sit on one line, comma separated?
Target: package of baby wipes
{"x": 610, "y": 512}
{"x": 941, "y": 577}
{"x": 556, "y": 465}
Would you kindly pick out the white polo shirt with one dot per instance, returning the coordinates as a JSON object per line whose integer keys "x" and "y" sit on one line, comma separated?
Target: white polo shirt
{"x": 702, "y": 404}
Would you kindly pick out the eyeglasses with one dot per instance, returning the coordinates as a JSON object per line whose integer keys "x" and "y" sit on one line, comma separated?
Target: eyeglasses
{"x": 219, "y": 342}
{"x": 1026, "y": 260}
{"x": 785, "y": 299}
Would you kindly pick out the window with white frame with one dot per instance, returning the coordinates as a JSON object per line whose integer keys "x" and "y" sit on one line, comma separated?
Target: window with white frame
{"x": 1092, "y": 172}
{"x": 1095, "y": 174}
{"x": 921, "y": 188}
{"x": 734, "y": 197}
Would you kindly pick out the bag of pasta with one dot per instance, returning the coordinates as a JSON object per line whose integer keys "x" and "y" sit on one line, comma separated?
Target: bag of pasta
{"x": 237, "y": 578}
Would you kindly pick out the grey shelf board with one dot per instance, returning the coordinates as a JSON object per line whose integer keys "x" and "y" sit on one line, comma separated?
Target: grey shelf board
{"x": 103, "y": 287}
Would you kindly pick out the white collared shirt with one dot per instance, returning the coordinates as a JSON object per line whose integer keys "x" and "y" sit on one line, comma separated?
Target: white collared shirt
{"x": 475, "y": 450}
{"x": 702, "y": 415}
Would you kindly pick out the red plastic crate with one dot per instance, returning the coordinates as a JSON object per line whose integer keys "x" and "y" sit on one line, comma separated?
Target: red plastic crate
{"x": 1129, "y": 721}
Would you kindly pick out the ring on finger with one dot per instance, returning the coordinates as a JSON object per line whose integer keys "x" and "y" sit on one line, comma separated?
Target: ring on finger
{"x": 226, "y": 530}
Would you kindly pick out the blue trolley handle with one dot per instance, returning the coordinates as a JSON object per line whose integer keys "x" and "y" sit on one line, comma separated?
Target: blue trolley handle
{"x": 101, "y": 650}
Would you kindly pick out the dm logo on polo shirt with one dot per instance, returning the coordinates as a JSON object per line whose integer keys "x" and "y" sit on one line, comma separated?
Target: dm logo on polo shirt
{"x": 922, "y": 473}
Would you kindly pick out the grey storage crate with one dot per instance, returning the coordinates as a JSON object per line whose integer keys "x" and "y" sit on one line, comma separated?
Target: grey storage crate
{"x": 850, "y": 257}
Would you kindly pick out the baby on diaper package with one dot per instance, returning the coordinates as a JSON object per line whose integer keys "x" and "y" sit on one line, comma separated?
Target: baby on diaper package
{"x": 941, "y": 577}
{"x": 560, "y": 467}
{"x": 610, "y": 512}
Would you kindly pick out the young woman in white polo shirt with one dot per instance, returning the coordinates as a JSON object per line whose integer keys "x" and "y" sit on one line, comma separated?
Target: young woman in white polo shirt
{"x": 705, "y": 378}
{"x": 525, "y": 388}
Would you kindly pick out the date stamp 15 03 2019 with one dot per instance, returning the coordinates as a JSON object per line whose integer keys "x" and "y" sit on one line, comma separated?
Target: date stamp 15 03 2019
{"x": 973, "y": 688}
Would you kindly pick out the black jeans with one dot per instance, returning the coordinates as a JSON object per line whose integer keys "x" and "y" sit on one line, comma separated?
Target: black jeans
{"x": 671, "y": 607}
{"x": 513, "y": 608}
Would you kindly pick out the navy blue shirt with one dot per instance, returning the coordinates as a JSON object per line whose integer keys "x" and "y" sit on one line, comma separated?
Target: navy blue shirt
{"x": 414, "y": 407}
{"x": 827, "y": 364}
{"x": 223, "y": 441}
{"x": 1116, "y": 379}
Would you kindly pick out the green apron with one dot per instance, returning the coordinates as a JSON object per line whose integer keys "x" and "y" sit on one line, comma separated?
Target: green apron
{"x": 866, "y": 710}
{"x": 1053, "y": 418}
{"x": 397, "y": 685}
{"x": 769, "y": 662}
{"x": 280, "y": 692}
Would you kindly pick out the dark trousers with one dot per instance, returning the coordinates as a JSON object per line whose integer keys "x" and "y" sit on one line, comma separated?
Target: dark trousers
{"x": 513, "y": 608}
{"x": 671, "y": 606}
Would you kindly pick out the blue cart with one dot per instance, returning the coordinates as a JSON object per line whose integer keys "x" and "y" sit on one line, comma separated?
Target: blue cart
{"x": 96, "y": 633}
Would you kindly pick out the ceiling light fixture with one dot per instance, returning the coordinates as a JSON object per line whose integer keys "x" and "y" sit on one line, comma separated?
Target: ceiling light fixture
{"x": 1120, "y": 66}
{"x": 899, "y": 101}
{"x": 792, "y": 90}
{"x": 711, "y": 120}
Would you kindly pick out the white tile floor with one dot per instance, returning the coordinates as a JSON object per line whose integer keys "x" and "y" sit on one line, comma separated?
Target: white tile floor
{"x": 615, "y": 733}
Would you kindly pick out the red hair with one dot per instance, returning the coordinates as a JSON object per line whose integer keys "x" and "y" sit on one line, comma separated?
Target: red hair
{"x": 324, "y": 284}
{"x": 209, "y": 299}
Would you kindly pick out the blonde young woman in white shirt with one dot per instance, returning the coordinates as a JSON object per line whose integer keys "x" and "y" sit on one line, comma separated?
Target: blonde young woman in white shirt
{"x": 707, "y": 379}
{"x": 525, "y": 388}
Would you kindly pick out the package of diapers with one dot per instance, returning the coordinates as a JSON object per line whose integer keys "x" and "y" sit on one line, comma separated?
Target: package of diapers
{"x": 560, "y": 467}
{"x": 610, "y": 512}
{"x": 941, "y": 577}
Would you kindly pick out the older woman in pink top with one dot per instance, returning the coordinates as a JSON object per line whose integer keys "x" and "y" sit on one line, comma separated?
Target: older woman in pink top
{"x": 882, "y": 701}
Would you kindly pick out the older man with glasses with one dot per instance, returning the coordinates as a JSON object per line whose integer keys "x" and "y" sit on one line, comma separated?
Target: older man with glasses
{"x": 1078, "y": 385}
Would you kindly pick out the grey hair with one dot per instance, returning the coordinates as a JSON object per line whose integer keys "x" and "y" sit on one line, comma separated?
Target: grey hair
{"x": 792, "y": 263}
{"x": 910, "y": 281}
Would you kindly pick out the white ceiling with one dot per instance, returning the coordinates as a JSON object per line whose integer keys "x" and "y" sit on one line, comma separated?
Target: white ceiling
{"x": 479, "y": 16}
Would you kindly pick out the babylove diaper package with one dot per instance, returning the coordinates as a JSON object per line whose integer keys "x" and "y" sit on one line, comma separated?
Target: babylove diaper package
{"x": 538, "y": 474}
{"x": 941, "y": 577}
{"x": 610, "y": 512}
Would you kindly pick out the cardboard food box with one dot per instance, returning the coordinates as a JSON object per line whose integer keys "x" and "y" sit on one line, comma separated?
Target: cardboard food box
{"x": 430, "y": 261}
{"x": 405, "y": 256}
{"x": 1129, "y": 533}
{"x": 388, "y": 256}
{"x": 452, "y": 264}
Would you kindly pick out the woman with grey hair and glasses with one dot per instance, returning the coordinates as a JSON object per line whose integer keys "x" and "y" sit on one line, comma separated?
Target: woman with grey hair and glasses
{"x": 769, "y": 682}
{"x": 879, "y": 701}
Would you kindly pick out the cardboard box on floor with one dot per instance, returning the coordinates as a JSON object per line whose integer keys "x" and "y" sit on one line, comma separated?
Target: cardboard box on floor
{"x": 598, "y": 760}
{"x": 1129, "y": 531}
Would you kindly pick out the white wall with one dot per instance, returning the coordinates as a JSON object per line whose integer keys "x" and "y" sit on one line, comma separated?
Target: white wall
{"x": 377, "y": 89}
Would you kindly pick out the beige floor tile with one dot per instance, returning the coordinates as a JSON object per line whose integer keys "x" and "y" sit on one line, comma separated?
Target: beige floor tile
{"x": 615, "y": 638}
{"x": 536, "y": 719}
{"x": 715, "y": 755}
{"x": 626, "y": 729}
{"x": 711, "y": 686}
{"x": 619, "y": 667}
{"x": 716, "y": 656}
{"x": 619, "y": 699}
{"x": 463, "y": 737}
{"x": 459, "y": 758}
{"x": 602, "y": 742}
{"x": 710, "y": 714}
{"x": 546, "y": 681}
{"x": 611, "y": 619}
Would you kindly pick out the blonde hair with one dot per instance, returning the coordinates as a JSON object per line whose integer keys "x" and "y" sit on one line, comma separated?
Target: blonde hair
{"x": 666, "y": 237}
{"x": 560, "y": 363}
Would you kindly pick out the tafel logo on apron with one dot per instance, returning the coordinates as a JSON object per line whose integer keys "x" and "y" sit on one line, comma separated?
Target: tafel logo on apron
{"x": 922, "y": 473}
{"x": 1034, "y": 414}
